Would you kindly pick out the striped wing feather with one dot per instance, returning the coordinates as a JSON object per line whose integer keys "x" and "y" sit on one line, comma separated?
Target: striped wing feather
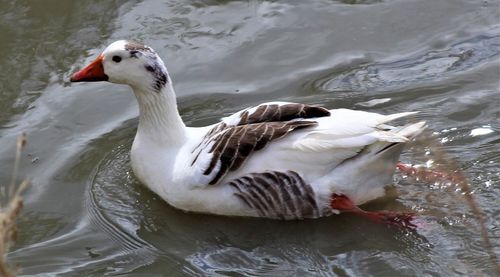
{"x": 235, "y": 144}
{"x": 279, "y": 195}
{"x": 232, "y": 141}
{"x": 277, "y": 112}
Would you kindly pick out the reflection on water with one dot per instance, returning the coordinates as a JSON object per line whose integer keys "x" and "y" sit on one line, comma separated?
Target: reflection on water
{"x": 119, "y": 218}
{"x": 132, "y": 216}
{"x": 86, "y": 214}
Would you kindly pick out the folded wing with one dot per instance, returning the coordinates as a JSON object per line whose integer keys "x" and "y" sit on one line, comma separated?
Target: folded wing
{"x": 228, "y": 144}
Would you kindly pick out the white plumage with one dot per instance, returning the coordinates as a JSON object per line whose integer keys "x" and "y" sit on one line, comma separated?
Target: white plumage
{"x": 278, "y": 159}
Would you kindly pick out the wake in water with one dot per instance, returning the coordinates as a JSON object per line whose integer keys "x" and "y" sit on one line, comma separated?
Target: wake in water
{"x": 441, "y": 170}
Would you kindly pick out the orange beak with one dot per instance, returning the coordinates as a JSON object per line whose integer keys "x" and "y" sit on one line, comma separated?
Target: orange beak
{"x": 93, "y": 72}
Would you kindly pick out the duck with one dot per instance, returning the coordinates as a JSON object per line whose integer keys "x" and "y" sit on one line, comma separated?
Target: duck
{"x": 277, "y": 160}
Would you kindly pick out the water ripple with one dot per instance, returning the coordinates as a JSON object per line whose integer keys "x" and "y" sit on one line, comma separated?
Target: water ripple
{"x": 426, "y": 68}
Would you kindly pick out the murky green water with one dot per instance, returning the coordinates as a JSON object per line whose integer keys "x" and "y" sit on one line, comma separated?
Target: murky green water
{"x": 85, "y": 213}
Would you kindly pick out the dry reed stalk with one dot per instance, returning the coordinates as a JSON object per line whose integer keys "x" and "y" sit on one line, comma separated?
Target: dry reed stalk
{"x": 11, "y": 204}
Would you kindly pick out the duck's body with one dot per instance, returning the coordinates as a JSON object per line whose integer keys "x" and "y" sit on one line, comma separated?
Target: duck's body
{"x": 277, "y": 160}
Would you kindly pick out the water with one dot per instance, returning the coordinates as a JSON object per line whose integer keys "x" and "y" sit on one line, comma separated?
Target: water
{"x": 86, "y": 214}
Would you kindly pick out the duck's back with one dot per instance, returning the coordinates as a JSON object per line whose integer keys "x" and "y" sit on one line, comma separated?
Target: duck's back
{"x": 247, "y": 157}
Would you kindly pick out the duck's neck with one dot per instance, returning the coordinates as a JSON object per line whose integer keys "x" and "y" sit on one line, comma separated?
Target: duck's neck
{"x": 159, "y": 119}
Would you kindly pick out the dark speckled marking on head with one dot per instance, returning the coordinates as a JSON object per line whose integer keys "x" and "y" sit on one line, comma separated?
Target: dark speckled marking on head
{"x": 136, "y": 49}
{"x": 134, "y": 54}
{"x": 159, "y": 75}
{"x": 137, "y": 46}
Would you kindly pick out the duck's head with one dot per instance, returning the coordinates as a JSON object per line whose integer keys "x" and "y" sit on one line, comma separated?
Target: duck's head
{"x": 126, "y": 62}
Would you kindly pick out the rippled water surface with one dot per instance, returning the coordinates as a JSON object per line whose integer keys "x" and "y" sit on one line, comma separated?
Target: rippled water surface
{"x": 86, "y": 214}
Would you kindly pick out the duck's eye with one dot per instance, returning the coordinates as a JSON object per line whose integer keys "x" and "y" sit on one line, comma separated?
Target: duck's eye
{"x": 117, "y": 59}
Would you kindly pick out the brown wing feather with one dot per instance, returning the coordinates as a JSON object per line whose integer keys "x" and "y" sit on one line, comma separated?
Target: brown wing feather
{"x": 279, "y": 195}
{"x": 232, "y": 144}
{"x": 286, "y": 112}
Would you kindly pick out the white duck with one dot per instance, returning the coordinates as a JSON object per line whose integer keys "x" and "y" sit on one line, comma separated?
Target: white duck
{"x": 277, "y": 160}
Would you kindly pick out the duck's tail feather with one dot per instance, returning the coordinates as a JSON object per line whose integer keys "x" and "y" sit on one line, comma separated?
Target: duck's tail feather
{"x": 364, "y": 176}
